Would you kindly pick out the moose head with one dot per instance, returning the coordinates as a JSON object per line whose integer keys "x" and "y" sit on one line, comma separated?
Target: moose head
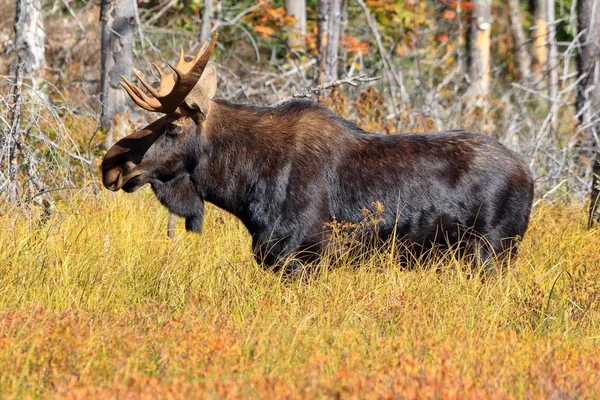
{"x": 159, "y": 153}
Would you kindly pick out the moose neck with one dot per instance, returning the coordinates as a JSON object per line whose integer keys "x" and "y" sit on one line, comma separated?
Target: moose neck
{"x": 239, "y": 150}
{"x": 247, "y": 152}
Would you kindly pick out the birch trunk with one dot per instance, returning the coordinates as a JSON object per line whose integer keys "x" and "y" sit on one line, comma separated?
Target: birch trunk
{"x": 297, "y": 8}
{"x": 207, "y": 16}
{"x": 333, "y": 39}
{"x": 29, "y": 39}
{"x": 479, "y": 48}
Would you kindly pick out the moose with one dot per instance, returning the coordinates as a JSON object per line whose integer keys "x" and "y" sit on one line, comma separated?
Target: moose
{"x": 288, "y": 171}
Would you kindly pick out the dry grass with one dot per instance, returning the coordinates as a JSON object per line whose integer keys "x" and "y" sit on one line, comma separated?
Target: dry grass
{"x": 97, "y": 302}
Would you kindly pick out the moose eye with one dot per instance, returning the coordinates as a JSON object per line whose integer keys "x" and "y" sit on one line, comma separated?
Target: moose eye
{"x": 172, "y": 130}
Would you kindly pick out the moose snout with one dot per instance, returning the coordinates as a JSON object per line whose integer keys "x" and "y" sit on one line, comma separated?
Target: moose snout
{"x": 112, "y": 180}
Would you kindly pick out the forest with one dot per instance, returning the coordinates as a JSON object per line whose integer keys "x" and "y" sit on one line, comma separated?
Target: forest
{"x": 106, "y": 295}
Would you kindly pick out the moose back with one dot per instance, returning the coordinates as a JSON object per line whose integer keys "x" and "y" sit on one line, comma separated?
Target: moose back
{"x": 286, "y": 172}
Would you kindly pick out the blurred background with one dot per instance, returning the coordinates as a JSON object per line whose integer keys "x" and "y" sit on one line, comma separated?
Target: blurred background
{"x": 524, "y": 72}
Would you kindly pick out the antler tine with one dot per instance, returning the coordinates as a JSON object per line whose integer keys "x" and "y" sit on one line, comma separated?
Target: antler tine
{"x": 137, "y": 100}
{"x": 201, "y": 60}
{"x": 201, "y": 51}
{"x": 181, "y": 60}
{"x": 148, "y": 87}
{"x": 176, "y": 69}
{"x": 135, "y": 97}
{"x": 140, "y": 98}
{"x": 160, "y": 71}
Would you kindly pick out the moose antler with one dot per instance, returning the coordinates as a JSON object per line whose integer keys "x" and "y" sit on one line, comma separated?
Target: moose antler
{"x": 174, "y": 87}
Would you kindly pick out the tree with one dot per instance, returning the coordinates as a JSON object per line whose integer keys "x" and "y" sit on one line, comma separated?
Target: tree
{"x": 552, "y": 66}
{"x": 29, "y": 38}
{"x": 297, "y": 8}
{"x": 118, "y": 21}
{"x": 207, "y": 15}
{"x": 479, "y": 48}
{"x": 588, "y": 93}
{"x": 522, "y": 57}
{"x": 29, "y": 42}
{"x": 328, "y": 24}
{"x": 540, "y": 34}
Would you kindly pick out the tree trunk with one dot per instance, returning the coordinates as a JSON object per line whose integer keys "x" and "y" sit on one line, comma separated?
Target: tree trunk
{"x": 29, "y": 38}
{"x": 328, "y": 23}
{"x": 540, "y": 34}
{"x": 588, "y": 94}
{"x": 522, "y": 57}
{"x": 479, "y": 48}
{"x": 29, "y": 43}
{"x": 333, "y": 39}
{"x": 552, "y": 65}
{"x": 207, "y": 15}
{"x": 118, "y": 20}
{"x": 297, "y": 8}
{"x": 322, "y": 26}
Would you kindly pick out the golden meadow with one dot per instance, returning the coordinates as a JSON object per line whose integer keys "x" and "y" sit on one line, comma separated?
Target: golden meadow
{"x": 97, "y": 301}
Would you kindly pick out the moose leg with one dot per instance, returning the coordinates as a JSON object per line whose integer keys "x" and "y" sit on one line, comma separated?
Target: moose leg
{"x": 290, "y": 254}
{"x": 492, "y": 254}
{"x": 194, "y": 223}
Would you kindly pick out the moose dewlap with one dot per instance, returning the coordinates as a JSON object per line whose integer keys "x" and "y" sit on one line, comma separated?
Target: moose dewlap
{"x": 287, "y": 172}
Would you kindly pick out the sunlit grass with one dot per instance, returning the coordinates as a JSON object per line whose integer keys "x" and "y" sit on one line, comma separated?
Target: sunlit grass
{"x": 98, "y": 302}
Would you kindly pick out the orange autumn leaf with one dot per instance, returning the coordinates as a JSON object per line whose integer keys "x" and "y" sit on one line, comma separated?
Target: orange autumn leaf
{"x": 441, "y": 37}
{"x": 352, "y": 45}
{"x": 464, "y": 5}
{"x": 375, "y": 3}
{"x": 264, "y": 30}
{"x": 448, "y": 14}
{"x": 401, "y": 49}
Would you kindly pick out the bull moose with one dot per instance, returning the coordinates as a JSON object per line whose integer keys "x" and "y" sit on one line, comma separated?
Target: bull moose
{"x": 286, "y": 172}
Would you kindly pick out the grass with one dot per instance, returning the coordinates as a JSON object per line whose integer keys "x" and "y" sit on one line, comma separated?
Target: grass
{"x": 97, "y": 302}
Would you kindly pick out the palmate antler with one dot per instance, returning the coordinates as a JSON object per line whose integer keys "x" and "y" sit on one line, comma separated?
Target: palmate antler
{"x": 174, "y": 87}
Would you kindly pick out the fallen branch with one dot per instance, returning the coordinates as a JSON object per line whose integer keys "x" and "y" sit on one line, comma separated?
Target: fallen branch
{"x": 353, "y": 81}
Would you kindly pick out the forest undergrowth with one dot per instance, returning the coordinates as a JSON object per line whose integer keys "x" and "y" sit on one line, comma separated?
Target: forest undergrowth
{"x": 96, "y": 301}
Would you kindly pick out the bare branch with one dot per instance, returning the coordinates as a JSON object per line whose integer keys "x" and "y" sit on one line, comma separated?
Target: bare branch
{"x": 352, "y": 81}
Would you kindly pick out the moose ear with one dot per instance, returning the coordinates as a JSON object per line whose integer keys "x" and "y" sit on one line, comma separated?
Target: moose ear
{"x": 208, "y": 81}
{"x": 200, "y": 96}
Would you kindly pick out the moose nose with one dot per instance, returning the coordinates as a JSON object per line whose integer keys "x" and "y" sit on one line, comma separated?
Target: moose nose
{"x": 112, "y": 179}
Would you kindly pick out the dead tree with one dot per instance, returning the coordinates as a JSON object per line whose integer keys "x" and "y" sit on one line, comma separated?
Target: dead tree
{"x": 207, "y": 16}
{"x": 552, "y": 66}
{"x": 328, "y": 23}
{"x": 522, "y": 57}
{"x": 29, "y": 39}
{"x": 539, "y": 37}
{"x": 118, "y": 22}
{"x": 588, "y": 95}
{"x": 479, "y": 48}
{"x": 29, "y": 42}
{"x": 297, "y": 8}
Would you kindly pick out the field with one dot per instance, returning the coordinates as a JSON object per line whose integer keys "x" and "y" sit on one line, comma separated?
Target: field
{"x": 96, "y": 302}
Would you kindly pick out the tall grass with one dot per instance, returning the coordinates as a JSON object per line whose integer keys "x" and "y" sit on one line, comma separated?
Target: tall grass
{"x": 97, "y": 302}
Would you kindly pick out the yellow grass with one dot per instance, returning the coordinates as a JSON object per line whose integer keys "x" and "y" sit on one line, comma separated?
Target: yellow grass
{"x": 97, "y": 302}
